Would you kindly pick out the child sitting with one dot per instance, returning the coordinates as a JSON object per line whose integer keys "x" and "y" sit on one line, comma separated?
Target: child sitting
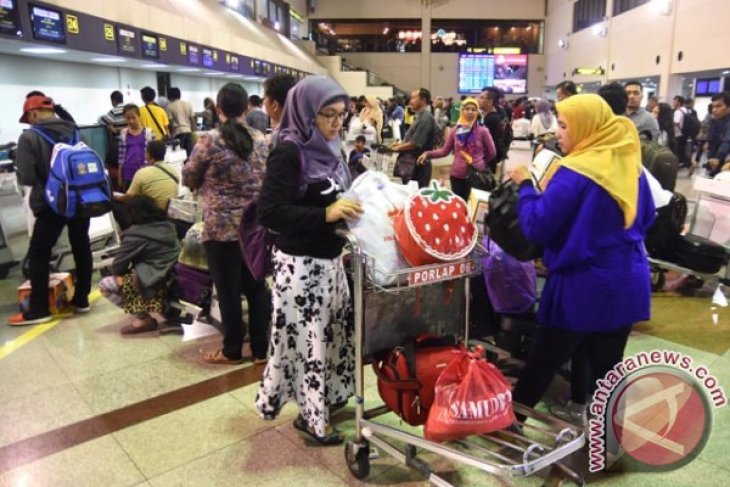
{"x": 355, "y": 161}
{"x": 142, "y": 265}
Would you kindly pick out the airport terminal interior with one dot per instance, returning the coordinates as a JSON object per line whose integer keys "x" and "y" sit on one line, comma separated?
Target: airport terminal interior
{"x": 102, "y": 395}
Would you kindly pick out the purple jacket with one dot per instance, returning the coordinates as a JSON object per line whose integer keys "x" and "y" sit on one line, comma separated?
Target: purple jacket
{"x": 479, "y": 146}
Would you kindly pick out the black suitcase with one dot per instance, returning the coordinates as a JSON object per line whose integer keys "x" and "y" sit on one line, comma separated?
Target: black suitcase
{"x": 697, "y": 254}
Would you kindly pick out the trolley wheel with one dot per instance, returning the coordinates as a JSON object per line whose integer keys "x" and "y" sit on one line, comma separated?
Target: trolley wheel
{"x": 657, "y": 280}
{"x": 357, "y": 456}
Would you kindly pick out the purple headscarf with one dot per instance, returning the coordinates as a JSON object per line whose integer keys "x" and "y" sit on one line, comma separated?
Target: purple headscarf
{"x": 320, "y": 158}
{"x": 543, "y": 109}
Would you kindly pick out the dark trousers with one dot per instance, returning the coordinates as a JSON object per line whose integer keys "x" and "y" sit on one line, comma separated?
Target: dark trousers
{"x": 681, "y": 153}
{"x": 46, "y": 230}
{"x": 554, "y": 346}
{"x": 231, "y": 278}
{"x": 422, "y": 174}
{"x": 186, "y": 142}
{"x": 460, "y": 187}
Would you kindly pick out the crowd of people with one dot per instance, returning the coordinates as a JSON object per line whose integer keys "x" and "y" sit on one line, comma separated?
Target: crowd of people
{"x": 283, "y": 152}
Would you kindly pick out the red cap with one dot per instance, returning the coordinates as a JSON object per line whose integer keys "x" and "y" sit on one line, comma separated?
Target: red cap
{"x": 33, "y": 103}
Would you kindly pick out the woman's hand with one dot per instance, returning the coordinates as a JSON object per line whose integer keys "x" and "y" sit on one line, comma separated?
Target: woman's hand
{"x": 422, "y": 158}
{"x": 519, "y": 174}
{"x": 343, "y": 208}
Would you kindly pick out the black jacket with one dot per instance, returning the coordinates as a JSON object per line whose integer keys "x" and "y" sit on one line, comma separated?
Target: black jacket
{"x": 34, "y": 157}
{"x": 152, "y": 250}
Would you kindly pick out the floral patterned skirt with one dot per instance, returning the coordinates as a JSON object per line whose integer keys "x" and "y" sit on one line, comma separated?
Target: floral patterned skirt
{"x": 311, "y": 352}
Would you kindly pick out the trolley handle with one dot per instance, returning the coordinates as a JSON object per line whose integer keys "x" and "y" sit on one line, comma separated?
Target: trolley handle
{"x": 381, "y": 149}
{"x": 350, "y": 238}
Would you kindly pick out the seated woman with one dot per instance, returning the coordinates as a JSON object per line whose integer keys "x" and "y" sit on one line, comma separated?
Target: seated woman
{"x": 591, "y": 220}
{"x": 142, "y": 265}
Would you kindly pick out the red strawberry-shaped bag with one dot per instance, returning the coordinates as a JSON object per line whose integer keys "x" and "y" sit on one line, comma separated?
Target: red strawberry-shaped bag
{"x": 434, "y": 227}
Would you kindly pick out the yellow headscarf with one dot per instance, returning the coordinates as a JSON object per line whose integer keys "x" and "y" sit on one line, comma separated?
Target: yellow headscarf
{"x": 467, "y": 101}
{"x": 606, "y": 149}
{"x": 466, "y": 126}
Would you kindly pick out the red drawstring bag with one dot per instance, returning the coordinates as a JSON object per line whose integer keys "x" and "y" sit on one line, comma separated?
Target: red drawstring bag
{"x": 472, "y": 397}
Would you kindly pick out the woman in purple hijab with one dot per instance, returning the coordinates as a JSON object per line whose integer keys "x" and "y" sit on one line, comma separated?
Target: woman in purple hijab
{"x": 311, "y": 352}
{"x": 544, "y": 122}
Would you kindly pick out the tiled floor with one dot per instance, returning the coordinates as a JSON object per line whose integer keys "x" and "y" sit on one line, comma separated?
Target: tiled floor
{"x": 82, "y": 372}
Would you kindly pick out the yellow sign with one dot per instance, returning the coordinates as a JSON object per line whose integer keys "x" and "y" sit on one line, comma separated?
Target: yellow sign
{"x": 109, "y": 32}
{"x": 215, "y": 56}
{"x": 163, "y": 44}
{"x": 295, "y": 15}
{"x": 183, "y": 49}
{"x": 72, "y": 24}
{"x": 588, "y": 71}
{"x": 507, "y": 50}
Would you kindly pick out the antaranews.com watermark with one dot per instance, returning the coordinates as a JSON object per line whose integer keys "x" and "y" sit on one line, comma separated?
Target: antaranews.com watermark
{"x": 655, "y": 407}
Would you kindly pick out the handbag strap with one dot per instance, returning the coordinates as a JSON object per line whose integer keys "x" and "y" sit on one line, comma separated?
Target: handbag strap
{"x": 174, "y": 178}
{"x": 154, "y": 119}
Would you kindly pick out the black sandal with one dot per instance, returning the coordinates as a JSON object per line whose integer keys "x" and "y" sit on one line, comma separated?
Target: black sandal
{"x": 332, "y": 438}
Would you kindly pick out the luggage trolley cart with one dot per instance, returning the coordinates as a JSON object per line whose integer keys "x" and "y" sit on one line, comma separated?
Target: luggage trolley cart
{"x": 383, "y": 319}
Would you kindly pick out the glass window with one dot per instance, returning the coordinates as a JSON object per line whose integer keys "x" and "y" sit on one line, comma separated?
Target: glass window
{"x": 404, "y": 35}
{"x": 621, "y": 6}
{"x": 246, "y": 8}
{"x": 276, "y": 16}
{"x": 588, "y": 12}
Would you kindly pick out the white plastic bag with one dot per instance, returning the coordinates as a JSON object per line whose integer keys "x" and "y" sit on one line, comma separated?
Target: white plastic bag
{"x": 380, "y": 198}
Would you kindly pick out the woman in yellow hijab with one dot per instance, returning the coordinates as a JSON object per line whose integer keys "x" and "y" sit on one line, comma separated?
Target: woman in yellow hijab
{"x": 470, "y": 142}
{"x": 591, "y": 220}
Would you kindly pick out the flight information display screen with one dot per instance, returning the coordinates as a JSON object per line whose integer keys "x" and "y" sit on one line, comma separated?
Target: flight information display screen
{"x": 193, "y": 54}
{"x": 127, "y": 41}
{"x": 508, "y": 73}
{"x": 476, "y": 71}
{"x": 10, "y": 18}
{"x": 208, "y": 60}
{"x": 150, "y": 46}
{"x": 47, "y": 24}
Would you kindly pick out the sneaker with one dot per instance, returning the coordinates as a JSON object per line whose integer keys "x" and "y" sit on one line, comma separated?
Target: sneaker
{"x": 571, "y": 412}
{"x": 22, "y": 319}
{"x": 82, "y": 310}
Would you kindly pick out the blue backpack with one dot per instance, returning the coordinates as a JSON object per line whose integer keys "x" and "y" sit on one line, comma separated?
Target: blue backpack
{"x": 77, "y": 184}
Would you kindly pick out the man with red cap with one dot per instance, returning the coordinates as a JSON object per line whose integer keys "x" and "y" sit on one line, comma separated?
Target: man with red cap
{"x": 34, "y": 166}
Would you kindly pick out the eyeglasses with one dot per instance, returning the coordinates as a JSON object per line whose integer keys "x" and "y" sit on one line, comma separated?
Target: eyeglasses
{"x": 331, "y": 118}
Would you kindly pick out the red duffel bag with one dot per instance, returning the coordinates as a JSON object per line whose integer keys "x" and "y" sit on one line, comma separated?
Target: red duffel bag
{"x": 407, "y": 374}
{"x": 472, "y": 397}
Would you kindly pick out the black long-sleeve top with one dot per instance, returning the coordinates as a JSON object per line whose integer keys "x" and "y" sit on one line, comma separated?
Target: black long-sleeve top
{"x": 298, "y": 219}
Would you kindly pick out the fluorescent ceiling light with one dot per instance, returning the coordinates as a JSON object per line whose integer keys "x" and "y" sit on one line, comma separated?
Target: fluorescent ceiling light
{"x": 109, "y": 60}
{"x": 43, "y": 50}
{"x": 189, "y": 70}
{"x": 726, "y": 72}
{"x": 154, "y": 65}
{"x": 214, "y": 73}
{"x": 238, "y": 76}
